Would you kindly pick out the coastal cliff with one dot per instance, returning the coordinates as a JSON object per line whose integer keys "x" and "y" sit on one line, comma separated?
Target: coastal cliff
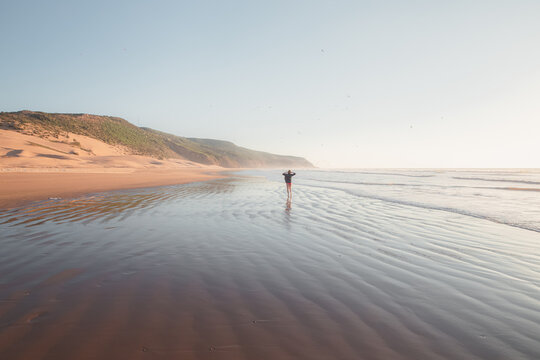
{"x": 136, "y": 140}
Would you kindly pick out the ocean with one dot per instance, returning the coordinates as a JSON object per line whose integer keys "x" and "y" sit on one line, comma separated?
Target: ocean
{"x": 360, "y": 264}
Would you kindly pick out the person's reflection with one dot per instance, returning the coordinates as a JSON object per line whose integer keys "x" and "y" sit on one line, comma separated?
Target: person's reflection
{"x": 288, "y": 206}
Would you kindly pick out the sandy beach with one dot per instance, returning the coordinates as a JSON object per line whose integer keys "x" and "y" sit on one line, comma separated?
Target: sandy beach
{"x": 227, "y": 269}
{"x": 19, "y": 188}
{"x": 33, "y": 168}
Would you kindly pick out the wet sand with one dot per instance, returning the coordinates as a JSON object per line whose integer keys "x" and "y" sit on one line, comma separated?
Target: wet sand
{"x": 227, "y": 269}
{"x": 19, "y": 188}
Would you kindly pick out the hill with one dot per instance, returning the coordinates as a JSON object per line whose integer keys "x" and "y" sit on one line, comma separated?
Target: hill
{"x": 144, "y": 141}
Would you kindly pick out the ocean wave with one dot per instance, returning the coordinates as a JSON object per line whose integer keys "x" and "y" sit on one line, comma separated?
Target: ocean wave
{"x": 378, "y": 173}
{"x": 362, "y": 182}
{"x": 423, "y": 185}
{"x": 454, "y": 210}
{"x": 520, "y": 189}
{"x": 497, "y": 180}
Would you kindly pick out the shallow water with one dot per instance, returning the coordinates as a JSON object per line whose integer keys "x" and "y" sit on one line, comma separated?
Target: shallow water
{"x": 227, "y": 269}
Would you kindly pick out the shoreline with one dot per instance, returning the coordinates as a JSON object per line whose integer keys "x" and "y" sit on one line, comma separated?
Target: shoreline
{"x": 19, "y": 188}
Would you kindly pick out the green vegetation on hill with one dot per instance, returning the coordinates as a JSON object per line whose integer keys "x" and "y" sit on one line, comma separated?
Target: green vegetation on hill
{"x": 145, "y": 141}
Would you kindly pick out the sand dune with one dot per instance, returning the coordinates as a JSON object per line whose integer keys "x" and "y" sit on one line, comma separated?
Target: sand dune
{"x": 34, "y": 168}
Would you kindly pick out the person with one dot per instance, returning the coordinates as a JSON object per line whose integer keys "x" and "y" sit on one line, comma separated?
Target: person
{"x": 288, "y": 175}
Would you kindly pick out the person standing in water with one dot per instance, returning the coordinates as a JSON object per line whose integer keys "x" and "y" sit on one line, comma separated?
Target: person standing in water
{"x": 288, "y": 175}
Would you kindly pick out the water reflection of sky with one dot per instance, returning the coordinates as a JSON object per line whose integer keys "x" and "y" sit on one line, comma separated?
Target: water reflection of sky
{"x": 110, "y": 206}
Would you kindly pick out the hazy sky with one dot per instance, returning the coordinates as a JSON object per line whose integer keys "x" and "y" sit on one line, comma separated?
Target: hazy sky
{"x": 342, "y": 83}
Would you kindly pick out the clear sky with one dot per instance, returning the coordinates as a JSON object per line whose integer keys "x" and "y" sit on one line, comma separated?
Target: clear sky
{"x": 342, "y": 83}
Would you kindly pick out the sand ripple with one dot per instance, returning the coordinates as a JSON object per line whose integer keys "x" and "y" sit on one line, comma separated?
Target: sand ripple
{"x": 227, "y": 270}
